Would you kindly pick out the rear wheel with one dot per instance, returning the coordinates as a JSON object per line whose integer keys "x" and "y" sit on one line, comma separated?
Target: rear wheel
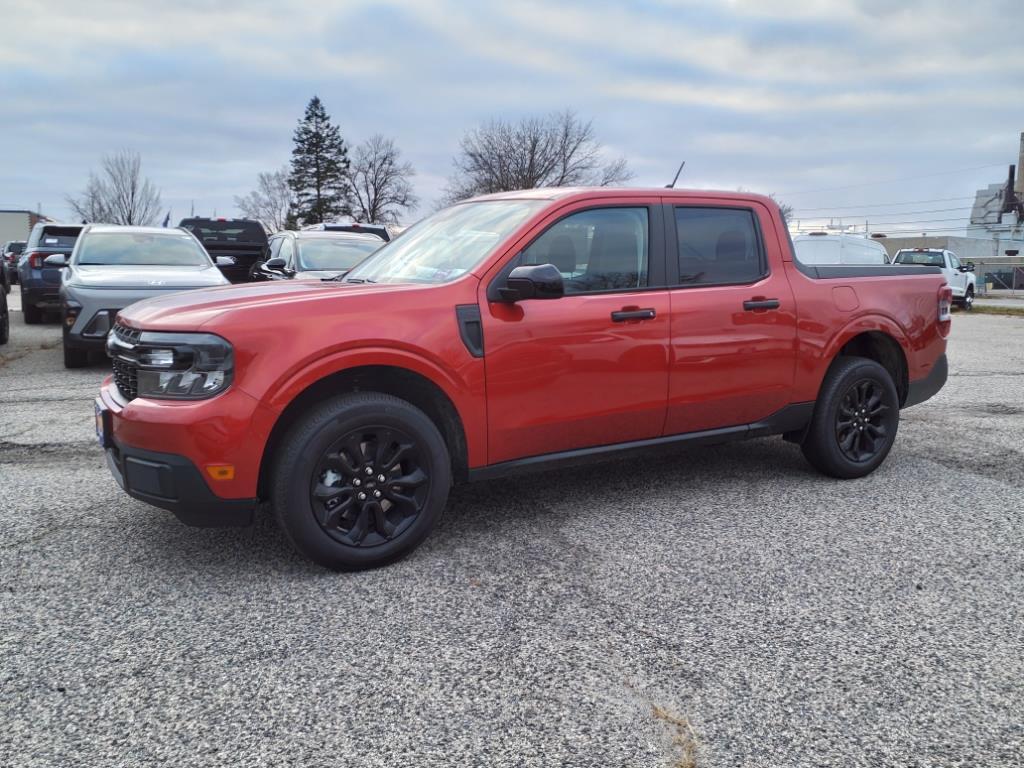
{"x": 33, "y": 315}
{"x": 5, "y": 320}
{"x": 855, "y": 419}
{"x": 360, "y": 481}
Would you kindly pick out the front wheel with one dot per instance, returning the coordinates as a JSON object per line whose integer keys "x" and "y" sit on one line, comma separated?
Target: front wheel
{"x": 968, "y": 301}
{"x": 32, "y": 315}
{"x": 360, "y": 481}
{"x": 855, "y": 419}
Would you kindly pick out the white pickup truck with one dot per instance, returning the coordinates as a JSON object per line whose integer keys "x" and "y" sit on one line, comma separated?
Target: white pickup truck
{"x": 960, "y": 277}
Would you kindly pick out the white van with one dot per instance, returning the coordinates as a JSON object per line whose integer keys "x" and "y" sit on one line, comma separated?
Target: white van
{"x": 838, "y": 248}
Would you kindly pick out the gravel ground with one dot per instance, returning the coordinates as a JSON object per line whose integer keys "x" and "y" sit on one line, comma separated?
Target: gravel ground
{"x": 794, "y": 620}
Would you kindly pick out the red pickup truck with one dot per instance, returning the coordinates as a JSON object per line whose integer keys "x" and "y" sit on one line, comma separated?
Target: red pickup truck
{"x": 511, "y": 332}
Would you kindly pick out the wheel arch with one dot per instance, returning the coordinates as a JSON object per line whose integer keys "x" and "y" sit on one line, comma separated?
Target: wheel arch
{"x": 881, "y": 346}
{"x": 404, "y": 383}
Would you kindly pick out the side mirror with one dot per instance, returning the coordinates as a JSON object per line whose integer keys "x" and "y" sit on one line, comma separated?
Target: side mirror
{"x": 970, "y": 266}
{"x": 225, "y": 261}
{"x": 540, "y": 281}
{"x": 277, "y": 265}
{"x": 55, "y": 260}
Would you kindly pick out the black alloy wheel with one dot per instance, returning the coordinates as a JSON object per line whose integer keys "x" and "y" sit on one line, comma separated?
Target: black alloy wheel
{"x": 861, "y": 421}
{"x": 359, "y": 480}
{"x": 369, "y": 486}
{"x": 855, "y": 419}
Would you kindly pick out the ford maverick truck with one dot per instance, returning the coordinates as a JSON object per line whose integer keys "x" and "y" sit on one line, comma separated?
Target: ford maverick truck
{"x": 512, "y": 332}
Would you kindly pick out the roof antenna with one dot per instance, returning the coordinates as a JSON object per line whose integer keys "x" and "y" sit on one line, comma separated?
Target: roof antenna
{"x": 673, "y": 184}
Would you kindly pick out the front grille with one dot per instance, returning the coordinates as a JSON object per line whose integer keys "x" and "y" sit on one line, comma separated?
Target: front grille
{"x": 125, "y": 372}
{"x": 126, "y": 334}
{"x": 126, "y": 378}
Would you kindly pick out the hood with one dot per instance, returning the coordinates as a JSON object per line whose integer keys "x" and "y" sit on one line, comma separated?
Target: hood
{"x": 147, "y": 277}
{"x": 191, "y": 309}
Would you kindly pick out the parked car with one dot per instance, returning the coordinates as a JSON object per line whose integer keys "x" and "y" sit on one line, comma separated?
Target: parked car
{"x": 377, "y": 230}
{"x": 512, "y": 332}
{"x": 323, "y": 255}
{"x": 111, "y": 267}
{"x": 838, "y": 248}
{"x": 240, "y": 242}
{"x": 40, "y": 282}
{"x": 961, "y": 277}
{"x": 11, "y": 251}
{"x": 5, "y": 319}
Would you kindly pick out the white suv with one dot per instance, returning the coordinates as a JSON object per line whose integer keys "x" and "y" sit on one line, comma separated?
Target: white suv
{"x": 959, "y": 276}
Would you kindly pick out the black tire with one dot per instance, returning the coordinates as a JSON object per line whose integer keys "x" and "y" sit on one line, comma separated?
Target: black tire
{"x": 968, "y": 302}
{"x": 75, "y": 358}
{"x": 321, "y": 468}
{"x": 855, "y": 419}
{"x": 33, "y": 315}
{"x": 5, "y": 320}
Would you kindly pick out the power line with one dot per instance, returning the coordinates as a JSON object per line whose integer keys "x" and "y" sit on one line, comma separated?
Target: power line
{"x": 891, "y": 181}
{"x": 861, "y": 214}
{"x": 889, "y": 205}
{"x": 909, "y": 222}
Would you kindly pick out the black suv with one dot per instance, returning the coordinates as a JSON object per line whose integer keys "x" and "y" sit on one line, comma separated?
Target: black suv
{"x": 242, "y": 240}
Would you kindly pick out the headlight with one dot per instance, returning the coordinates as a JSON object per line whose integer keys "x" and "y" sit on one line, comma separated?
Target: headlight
{"x": 183, "y": 366}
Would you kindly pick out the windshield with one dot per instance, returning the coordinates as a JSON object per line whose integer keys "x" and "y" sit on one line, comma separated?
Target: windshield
{"x": 15, "y": 248}
{"x": 229, "y": 231}
{"x": 923, "y": 258}
{"x": 446, "y": 245}
{"x": 123, "y": 248}
{"x": 334, "y": 253}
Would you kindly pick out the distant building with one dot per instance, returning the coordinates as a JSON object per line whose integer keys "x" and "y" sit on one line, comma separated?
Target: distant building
{"x": 16, "y": 225}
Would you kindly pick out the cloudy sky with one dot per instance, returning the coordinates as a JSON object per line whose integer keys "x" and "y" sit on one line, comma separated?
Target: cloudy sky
{"x": 834, "y": 105}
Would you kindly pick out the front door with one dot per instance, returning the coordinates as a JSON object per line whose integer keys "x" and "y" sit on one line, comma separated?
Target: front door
{"x": 590, "y": 368}
{"x": 733, "y": 317}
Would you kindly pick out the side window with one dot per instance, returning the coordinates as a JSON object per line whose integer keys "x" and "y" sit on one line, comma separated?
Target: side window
{"x": 275, "y": 246}
{"x": 285, "y": 252}
{"x": 954, "y": 262}
{"x": 601, "y": 249}
{"x": 718, "y": 246}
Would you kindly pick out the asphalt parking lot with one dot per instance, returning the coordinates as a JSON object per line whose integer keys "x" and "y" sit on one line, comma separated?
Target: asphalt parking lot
{"x": 558, "y": 619}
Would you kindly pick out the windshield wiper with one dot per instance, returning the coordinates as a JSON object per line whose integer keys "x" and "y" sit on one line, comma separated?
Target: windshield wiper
{"x": 353, "y": 279}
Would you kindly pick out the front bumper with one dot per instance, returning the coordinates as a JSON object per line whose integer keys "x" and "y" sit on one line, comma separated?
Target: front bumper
{"x": 172, "y": 482}
{"x": 174, "y": 443}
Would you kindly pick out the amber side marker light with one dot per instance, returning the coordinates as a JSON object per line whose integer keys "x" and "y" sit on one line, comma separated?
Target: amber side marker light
{"x": 221, "y": 471}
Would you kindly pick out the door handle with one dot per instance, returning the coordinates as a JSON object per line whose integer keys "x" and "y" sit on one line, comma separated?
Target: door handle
{"x": 623, "y": 315}
{"x": 753, "y": 304}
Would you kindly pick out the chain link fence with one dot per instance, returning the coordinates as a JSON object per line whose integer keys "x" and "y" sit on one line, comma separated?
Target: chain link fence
{"x": 1000, "y": 277}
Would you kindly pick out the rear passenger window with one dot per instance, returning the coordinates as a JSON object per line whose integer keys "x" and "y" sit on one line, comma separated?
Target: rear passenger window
{"x": 602, "y": 249}
{"x": 718, "y": 245}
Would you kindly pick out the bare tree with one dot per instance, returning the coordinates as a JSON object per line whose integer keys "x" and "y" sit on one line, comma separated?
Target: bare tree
{"x": 272, "y": 202}
{"x": 381, "y": 182}
{"x": 784, "y": 208}
{"x": 118, "y": 194}
{"x": 557, "y": 150}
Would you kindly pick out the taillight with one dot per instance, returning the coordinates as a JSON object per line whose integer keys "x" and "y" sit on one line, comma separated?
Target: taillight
{"x": 945, "y": 304}
{"x": 35, "y": 260}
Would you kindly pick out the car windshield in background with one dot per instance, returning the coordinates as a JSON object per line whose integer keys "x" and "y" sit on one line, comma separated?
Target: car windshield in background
{"x": 334, "y": 253}
{"x": 446, "y": 245}
{"x": 16, "y": 248}
{"x": 60, "y": 238}
{"x": 126, "y": 248}
{"x": 226, "y": 231}
{"x": 922, "y": 258}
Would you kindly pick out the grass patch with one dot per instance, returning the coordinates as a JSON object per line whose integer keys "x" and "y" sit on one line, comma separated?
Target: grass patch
{"x": 985, "y": 309}
{"x": 684, "y": 738}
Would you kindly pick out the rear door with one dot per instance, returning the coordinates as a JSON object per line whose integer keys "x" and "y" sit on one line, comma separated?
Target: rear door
{"x": 733, "y": 316}
{"x": 957, "y": 279}
{"x": 590, "y": 368}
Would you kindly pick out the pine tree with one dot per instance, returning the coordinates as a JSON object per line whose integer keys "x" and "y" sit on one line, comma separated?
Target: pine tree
{"x": 319, "y": 175}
